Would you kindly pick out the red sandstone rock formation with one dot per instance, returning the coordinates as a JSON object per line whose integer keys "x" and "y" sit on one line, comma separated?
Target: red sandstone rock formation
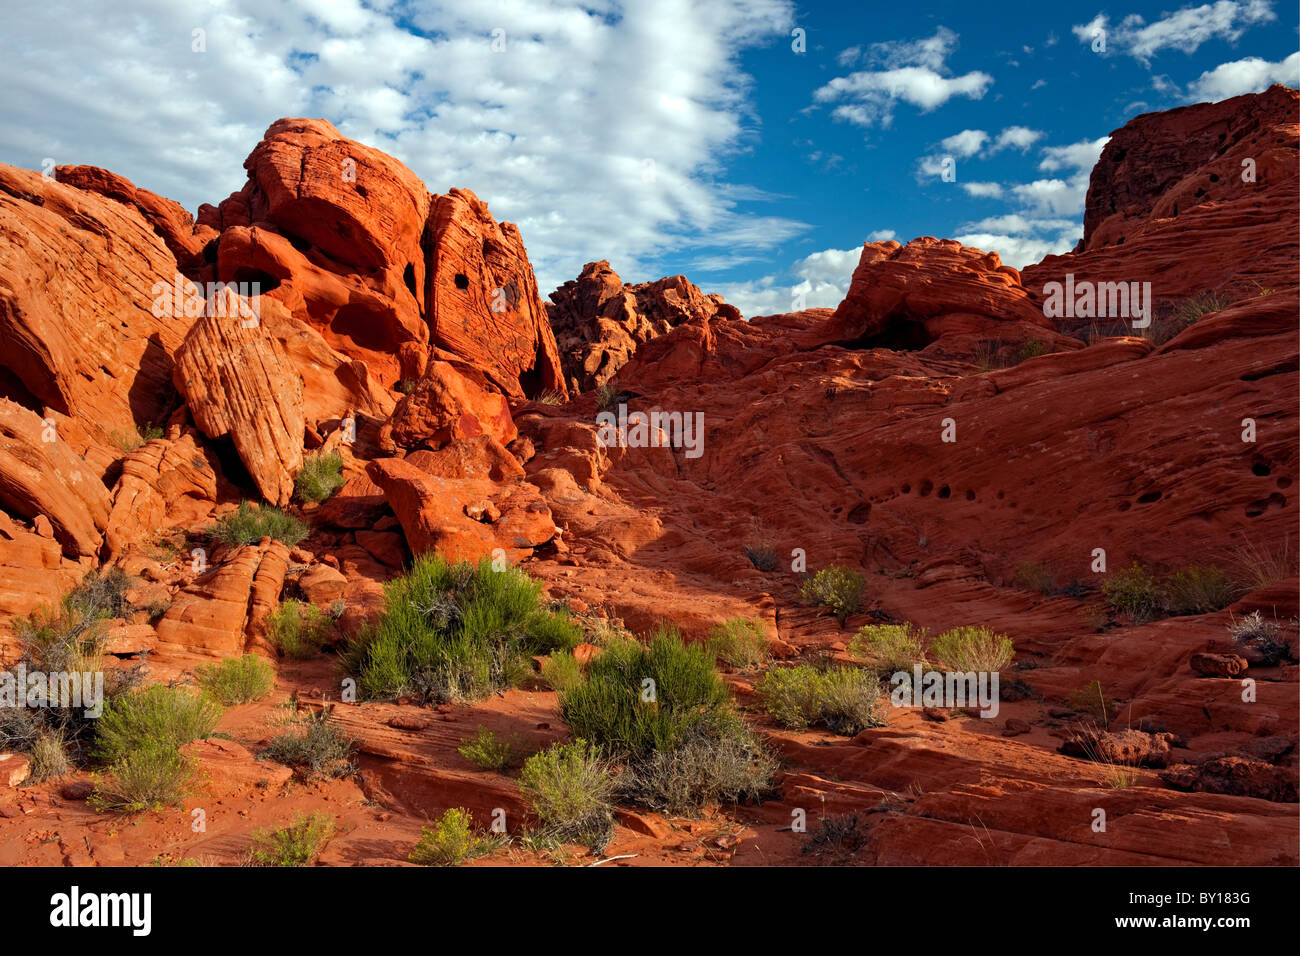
{"x": 600, "y": 321}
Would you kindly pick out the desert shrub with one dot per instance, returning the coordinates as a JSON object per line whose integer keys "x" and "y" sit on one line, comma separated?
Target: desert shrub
{"x": 562, "y": 672}
{"x": 716, "y": 763}
{"x": 610, "y": 709}
{"x": 1034, "y": 576}
{"x": 1031, "y": 348}
{"x": 406, "y": 386}
{"x": 838, "y": 834}
{"x": 761, "y": 556}
{"x": 249, "y": 524}
{"x": 1197, "y": 589}
{"x": 487, "y": 751}
{"x": 1091, "y": 700}
{"x": 1196, "y": 307}
{"x": 569, "y": 786}
{"x": 236, "y": 680}
{"x": 151, "y": 777}
{"x": 969, "y": 648}
{"x": 320, "y": 476}
{"x": 298, "y": 629}
{"x": 49, "y": 756}
{"x": 129, "y": 439}
{"x": 456, "y": 632}
{"x": 1133, "y": 591}
{"x": 1260, "y": 634}
{"x": 315, "y": 747}
{"x": 1255, "y": 567}
{"x": 740, "y": 642}
{"x": 296, "y": 845}
{"x": 552, "y": 396}
{"x": 838, "y": 588}
{"x": 606, "y": 397}
{"x": 889, "y": 647}
{"x": 451, "y": 841}
{"x": 844, "y": 700}
{"x": 158, "y": 717}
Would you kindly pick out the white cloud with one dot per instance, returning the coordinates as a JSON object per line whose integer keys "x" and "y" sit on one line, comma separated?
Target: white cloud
{"x": 560, "y": 151}
{"x": 821, "y": 279}
{"x": 1185, "y": 29}
{"x": 914, "y": 72}
{"x": 1082, "y": 155}
{"x": 1250, "y": 75}
{"x": 1017, "y": 137}
{"x": 966, "y": 143}
{"x": 1017, "y": 251}
{"x": 881, "y": 235}
{"x": 982, "y": 190}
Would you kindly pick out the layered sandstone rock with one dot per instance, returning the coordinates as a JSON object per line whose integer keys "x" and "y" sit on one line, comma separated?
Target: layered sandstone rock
{"x": 239, "y": 385}
{"x": 165, "y": 483}
{"x": 483, "y": 301}
{"x": 450, "y": 402}
{"x": 599, "y": 320}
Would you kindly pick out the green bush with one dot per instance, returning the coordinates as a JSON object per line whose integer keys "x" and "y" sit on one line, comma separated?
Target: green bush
{"x": 761, "y": 556}
{"x": 740, "y": 642}
{"x": 612, "y": 707}
{"x": 456, "y": 632}
{"x": 844, "y": 700}
{"x": 889, "y": 647}
{"x": 487, "y": 751}
{"x": 1197, "y": 589}
{"x": 151, "y": 777}
{"x": 569, "y": 786}
{"x": 1133, "y": 591}
{"x": 249, "y": 524}
{"x": 320, "y": 476}
{"x": 838, "y": 588}
{"x": 296, "y": 845}
{"x": 314, "y": 748}
{"x": 157, "y": 717}
{"x": 236, "y": 680}
{"x": 451, "y": 841}
{"x": 298, "y": 629}
{"x": 562, "y": 672}
{"x": 129, "y": 439}
{"x": 968, "y": 648}
{"x": 49, "y": 755}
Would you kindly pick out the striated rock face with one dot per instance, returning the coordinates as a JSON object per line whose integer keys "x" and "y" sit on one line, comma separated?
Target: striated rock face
{"x": 599, "y": 320}
{"x": 166, "y": 483}
{"x": 41, "y": 477}
{"x": 483, "y": 301}
{"x": 239, "y": 385}
{"x": 77, "y": 270}
{"x": 1171, "y": 203}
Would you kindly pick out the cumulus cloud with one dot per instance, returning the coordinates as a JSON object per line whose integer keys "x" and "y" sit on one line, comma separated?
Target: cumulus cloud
{"x": 977, "y": 143}
{"x": 982, "y": 190}
{"x": 1250, "y": 75}
{"x": 913, "y": 72}
{"x": 561, "y": 151}
{"x": 1185, "y": 29}
{"x": 964, "y": 144}
{"x": 819, "y": 280}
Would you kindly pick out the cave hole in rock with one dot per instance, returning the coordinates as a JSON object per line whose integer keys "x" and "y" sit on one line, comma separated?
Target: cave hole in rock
{"x": 531, "y": 382}
{"x": 1260, "y": 468}
{"x": 1149, "y": 497}
{"x": 408, "y": 277}
{"x": 898, "y": 333}
{"x": 906, "y": 489}
{"x": 945, "y": 492}
{"x": 360, "y": 324}
{"x": 265, "y": 281}
{"x": 462, "y": 280}
{"x": 860, "y": 513}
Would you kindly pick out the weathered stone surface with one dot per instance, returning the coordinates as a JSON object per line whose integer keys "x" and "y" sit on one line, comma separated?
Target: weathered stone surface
{"x": 599, "y": 320}
{"x": 239, "y": 384}
{"x": 450, "y": 402}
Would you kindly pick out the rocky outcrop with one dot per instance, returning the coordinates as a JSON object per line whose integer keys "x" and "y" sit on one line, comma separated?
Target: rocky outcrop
{"x": 483, "y": 301}
{"x": 239, "y": 385}
{"x": 599, "y": 320}
{"x": 450, "y": 402}
{"x": 1193, "y": 199}
{"x": 78, "y": 273}
{"x": 165, "y": 483}
{"x": 42, "y": 478}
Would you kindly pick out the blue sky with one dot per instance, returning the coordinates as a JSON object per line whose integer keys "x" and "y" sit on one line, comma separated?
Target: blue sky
{"x": 669, "y": 136}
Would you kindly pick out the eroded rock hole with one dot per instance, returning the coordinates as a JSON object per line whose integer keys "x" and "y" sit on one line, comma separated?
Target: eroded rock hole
{"x": 462, "y": 280}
